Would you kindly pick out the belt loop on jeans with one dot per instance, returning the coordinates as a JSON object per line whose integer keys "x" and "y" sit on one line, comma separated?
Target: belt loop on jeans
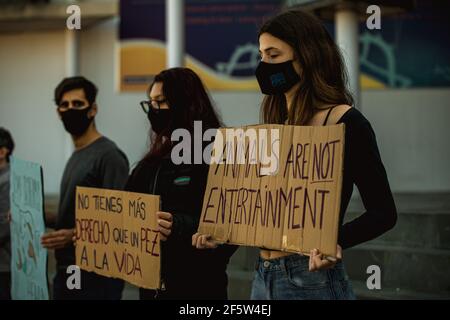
{"x": 257, "y": 263}
{"x": 283, "y": 265}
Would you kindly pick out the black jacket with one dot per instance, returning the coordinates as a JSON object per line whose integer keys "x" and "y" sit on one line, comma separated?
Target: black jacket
{"x": 186, "y": 272}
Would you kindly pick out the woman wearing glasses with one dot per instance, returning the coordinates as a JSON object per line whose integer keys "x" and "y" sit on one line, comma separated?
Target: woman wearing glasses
{"x": 177, "y": 98}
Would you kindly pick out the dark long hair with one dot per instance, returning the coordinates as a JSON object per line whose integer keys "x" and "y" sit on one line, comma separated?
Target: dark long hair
{"x": 188, "y": 101}
{"x": 323, "y": 77}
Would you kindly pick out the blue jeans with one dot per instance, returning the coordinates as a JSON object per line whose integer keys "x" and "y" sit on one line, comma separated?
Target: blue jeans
{"x": 288, "y": 278}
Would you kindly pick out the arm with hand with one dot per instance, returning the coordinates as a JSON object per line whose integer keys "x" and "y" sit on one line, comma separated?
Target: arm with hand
{"x": 58, "y": 239}
{"x": 371, "y": 179}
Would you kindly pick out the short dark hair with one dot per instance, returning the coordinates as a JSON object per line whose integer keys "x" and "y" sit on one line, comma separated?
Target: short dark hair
{"x": 72, "y": 83}
{"x": 6, "y": 141}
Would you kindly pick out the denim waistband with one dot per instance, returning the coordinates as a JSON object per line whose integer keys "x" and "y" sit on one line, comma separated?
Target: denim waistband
{"x": 286, "y": 262}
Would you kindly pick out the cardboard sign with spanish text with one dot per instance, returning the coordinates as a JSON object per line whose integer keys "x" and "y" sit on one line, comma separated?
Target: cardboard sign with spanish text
{"x": 117, "y": 235}
{"x": 276, "y": 187}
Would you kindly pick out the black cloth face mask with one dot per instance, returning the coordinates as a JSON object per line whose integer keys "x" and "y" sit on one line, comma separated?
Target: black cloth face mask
{"x": 159, "y": 119}
{"x": 276, "y": 78}
{"x": 76, "y": 122}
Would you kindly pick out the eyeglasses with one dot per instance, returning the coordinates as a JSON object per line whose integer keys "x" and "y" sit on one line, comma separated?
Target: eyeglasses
{"x": 153, "y": 104}
{"x": 75, "y": 104}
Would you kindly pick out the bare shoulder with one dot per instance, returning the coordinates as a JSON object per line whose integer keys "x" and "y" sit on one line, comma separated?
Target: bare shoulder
{"x": 338, "y": 112}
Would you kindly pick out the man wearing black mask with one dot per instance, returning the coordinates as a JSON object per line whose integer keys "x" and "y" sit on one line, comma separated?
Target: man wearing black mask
{"x": 97, "y": 162}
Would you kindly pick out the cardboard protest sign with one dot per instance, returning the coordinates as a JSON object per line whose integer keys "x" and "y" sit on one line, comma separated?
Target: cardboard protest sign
{"x": 117, "y": 235}
{"x": 288, "y": 201}
{"x": 28, "y": 257}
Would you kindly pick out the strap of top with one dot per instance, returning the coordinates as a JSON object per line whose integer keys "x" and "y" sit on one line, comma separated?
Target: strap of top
{"x": 328, "y": 114}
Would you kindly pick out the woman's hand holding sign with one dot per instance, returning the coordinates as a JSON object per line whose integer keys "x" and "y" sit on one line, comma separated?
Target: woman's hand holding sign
{"x": 318, "y": 262}
{"x": 165, "y": 222}
{"x": 203, "y": 241}
{"x": 316, "y": 259}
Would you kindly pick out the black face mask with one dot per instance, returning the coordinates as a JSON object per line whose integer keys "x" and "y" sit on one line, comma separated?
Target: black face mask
{"x": 76, "y": 122}
{"x": 159, "y": 119}
{"x": 276, "y": 78}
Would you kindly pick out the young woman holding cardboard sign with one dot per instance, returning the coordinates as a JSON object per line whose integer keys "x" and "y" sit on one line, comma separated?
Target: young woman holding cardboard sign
{"x": 297, "y": 50}
{"x": 177, "y": 98}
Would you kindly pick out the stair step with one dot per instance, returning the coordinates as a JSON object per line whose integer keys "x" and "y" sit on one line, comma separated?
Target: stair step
{"x": 413, "y": 268}
{"x": 240, "y": 282}
{"x": 423, "y": 219}
{"x": 425, "y": 203}
{"x": 428, "y": 230}
{"x": 417, "y": 269}
{"x": 244, "y": 258}
{"x": 362, "y": 292}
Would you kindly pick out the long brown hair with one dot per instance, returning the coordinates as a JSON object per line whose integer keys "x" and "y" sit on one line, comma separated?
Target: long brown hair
{"x": 323, "y": 77}
{"x": 188, "y": 101}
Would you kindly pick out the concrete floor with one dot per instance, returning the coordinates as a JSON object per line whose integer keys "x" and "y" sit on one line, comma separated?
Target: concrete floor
{"x": 130, "y": 292}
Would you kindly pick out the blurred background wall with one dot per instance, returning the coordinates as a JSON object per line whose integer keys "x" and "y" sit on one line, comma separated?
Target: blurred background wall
{"x": 411, "y": 126}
